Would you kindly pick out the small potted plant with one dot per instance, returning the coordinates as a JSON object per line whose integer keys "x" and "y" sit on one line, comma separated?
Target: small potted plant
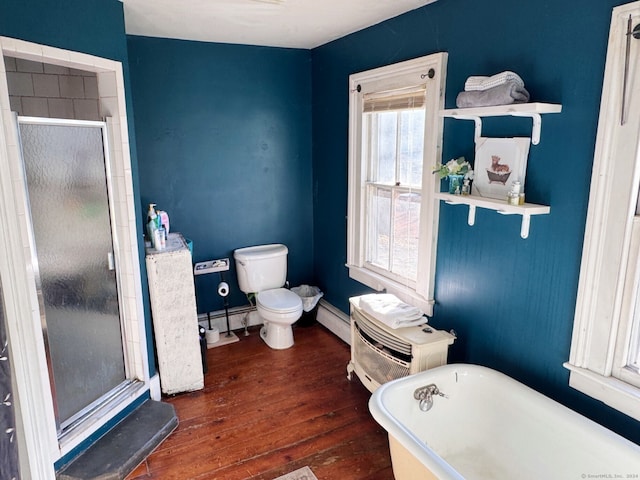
{"x": 457, "y": 170}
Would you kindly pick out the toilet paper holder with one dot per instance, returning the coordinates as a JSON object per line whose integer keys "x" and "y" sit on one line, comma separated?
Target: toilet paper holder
{"x": 223, "y": 289}
{"x": 212, "y": 266}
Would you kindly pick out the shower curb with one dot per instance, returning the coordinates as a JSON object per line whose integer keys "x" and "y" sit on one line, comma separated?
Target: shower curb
{"x": 125, "y": 446}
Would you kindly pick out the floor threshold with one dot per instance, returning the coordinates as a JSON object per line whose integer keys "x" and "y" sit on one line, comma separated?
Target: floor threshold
{"x": 125, "y": 446}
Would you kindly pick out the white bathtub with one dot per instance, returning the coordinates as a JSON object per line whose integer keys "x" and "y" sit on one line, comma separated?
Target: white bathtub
{"x": 493, "y": 427}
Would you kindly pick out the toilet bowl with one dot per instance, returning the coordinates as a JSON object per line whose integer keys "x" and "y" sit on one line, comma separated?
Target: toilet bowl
{"x": 279, "y": 308}
{"x": 263, "y": 270}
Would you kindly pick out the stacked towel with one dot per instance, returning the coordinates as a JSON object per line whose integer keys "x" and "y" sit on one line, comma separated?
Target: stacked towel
{"x": 477, "y": 83}
{"x": 504, "y": 94}
{"x": 388, "y": 309}
{"x": 501, "y": 89}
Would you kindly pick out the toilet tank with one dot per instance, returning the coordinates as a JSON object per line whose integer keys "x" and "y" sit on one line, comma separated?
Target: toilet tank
{"x": 261, "y": 267}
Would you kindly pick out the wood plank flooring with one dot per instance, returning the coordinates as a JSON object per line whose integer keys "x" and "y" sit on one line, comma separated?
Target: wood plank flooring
{"x": 264, "y": 413}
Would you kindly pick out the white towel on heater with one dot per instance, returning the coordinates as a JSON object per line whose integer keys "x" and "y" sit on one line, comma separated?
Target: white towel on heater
{"x": 478, "y": 83}
{"x": 390, "y": 310}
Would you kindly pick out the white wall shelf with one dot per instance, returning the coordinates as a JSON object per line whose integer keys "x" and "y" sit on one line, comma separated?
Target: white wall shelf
{"x": 533, "y": 110}
{"x": 500, "y": 206}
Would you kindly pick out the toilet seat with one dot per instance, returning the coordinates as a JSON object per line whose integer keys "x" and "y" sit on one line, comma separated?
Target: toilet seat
{"x": 279, "y": 301}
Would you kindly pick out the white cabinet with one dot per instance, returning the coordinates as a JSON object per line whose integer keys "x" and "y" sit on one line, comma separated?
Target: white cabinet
{"x": 175, "y": 316}
{"x": 532, "y": 110}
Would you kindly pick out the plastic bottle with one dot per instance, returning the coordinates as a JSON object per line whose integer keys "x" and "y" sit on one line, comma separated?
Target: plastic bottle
{"x": 152, "y": 223}
{"x": 162, "y": 239}
{"x": 158, "y": 239}
{"x": 164, "y": 220}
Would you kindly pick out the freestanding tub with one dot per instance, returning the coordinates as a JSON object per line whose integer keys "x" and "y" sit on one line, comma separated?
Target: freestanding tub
{"x": 491, "y": 427}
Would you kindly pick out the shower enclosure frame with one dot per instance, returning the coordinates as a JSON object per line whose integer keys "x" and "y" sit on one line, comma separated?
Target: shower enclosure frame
{"x": 39, "y": 444}
{"x": 66, "y": 427}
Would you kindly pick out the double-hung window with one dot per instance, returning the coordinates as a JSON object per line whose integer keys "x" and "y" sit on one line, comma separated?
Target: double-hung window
{"x": 605, "y": 348}
{"x": 395, "y": 136}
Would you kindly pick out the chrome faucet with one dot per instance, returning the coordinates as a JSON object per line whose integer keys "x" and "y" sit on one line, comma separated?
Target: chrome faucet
{"x": 425, "y": 396}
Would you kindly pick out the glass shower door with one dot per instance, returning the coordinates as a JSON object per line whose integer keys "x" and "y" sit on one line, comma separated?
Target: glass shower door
{"x": 64, "y": 163}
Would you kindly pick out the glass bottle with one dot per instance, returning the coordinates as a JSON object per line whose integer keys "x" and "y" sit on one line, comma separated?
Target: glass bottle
{"x": 465, "y": 187}
{"x": 513, "y": 197}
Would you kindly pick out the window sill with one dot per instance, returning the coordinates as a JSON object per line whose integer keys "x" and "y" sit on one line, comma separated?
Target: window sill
{"x": 609, "y": 390}
{"x": 380, "y": 283}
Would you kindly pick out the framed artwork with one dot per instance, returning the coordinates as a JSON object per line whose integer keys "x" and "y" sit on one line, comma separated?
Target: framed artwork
{"x": 499, "y": 162}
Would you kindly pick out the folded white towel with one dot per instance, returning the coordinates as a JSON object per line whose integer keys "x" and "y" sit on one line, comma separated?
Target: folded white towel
{"x": 476, "y": 83}
{"x": 390, "y": 310}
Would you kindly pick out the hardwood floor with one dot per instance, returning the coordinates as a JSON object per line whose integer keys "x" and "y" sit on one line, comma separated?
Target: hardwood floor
{"x": 264, "y": 413}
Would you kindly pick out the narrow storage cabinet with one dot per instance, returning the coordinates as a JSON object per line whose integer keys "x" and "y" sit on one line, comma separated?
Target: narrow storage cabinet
{"x": 175, "y": 316}
{"x": 380, "y": 353}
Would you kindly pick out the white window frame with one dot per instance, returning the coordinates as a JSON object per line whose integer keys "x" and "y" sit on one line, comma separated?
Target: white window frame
{"x": 429, "y": 70}
{"x": 609, "y": 273}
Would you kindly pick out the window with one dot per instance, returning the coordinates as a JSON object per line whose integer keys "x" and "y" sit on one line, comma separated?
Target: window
{"x": 605, "y": 348}
{"x": 625, "y": 361}
{"x": 394, "y": 140}
{"x": 393, "y": 143}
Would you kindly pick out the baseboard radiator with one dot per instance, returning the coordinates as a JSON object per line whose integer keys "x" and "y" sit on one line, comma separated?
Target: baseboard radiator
{"x": 380, "y": 354}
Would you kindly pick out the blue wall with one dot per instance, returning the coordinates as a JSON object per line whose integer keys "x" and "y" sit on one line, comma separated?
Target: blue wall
{"x": 224, "y": 140}
{"x": 95, "y": 27}
{"x": 510, "y": 300}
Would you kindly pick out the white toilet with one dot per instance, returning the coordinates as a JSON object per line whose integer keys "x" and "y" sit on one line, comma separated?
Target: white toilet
{"x": 263, "y": 270}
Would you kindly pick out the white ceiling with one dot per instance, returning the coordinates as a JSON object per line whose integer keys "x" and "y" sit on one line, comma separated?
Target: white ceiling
{"x": 274, "y": 23}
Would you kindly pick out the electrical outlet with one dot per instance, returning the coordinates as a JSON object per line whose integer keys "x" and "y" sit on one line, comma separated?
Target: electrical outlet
{"x": 211, "y": 266}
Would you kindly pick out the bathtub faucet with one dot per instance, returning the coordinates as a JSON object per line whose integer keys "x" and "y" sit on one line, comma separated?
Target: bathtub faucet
{"x": 425, "y": 396}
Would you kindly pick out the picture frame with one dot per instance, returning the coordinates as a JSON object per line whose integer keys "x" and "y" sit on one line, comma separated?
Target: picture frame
{"x": 499, "y": 162}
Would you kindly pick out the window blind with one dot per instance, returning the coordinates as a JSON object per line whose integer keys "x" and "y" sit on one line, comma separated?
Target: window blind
{"x": 412, "y": 97}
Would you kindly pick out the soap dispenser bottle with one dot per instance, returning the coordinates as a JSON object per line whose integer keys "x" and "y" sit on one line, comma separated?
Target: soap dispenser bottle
{"x": 152, "y": 223}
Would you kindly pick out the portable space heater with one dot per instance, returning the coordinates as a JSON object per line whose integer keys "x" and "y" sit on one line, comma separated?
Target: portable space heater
{"x": 380, "y": 353}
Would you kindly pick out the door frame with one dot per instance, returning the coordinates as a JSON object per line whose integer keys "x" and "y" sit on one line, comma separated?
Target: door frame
{"x": 39, "y": 445}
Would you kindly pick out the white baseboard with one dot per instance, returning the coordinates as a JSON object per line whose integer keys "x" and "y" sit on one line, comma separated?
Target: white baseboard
{"x": 335, "y": 320}
{"x": 236, "y": 318}
{"x": 329, "y": 316}
{"x": 154, "y": 387}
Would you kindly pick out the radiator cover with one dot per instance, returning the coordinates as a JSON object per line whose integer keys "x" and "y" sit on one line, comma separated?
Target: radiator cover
{"x": 380, "y": 354}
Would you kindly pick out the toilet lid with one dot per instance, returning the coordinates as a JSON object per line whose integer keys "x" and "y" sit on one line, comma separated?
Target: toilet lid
{"x": 279, "y": 300}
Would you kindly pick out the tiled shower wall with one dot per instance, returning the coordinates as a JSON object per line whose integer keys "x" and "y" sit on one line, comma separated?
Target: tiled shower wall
{"x": 42, "y": 90}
